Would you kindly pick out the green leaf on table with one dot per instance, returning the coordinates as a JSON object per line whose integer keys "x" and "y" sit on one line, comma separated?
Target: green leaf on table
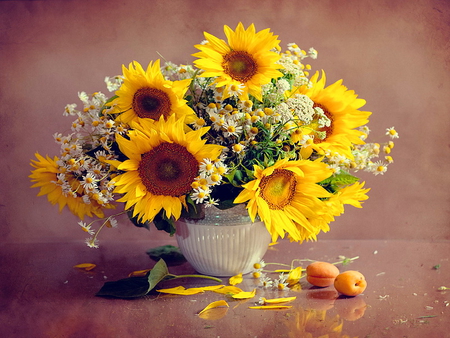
{"x": 131, "y": 287}
{"x": 157, "y": 274}
{"x": 169, "y": 253}
{"x": 134, "y": 287}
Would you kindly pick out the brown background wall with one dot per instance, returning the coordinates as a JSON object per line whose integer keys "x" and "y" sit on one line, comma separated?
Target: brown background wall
{"x": 393, "y": 53}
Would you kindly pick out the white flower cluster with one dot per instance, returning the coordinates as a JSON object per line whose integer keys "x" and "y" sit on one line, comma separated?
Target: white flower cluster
{"x": 210, "y": 175}
{"x": 364, "y": 155}
{"x": 84, "y": 171}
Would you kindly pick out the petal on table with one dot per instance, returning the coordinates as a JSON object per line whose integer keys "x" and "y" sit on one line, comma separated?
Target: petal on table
{"x": 235, "y": 279}
{"x": 245, "y": 294}
{"x": 85, "y": 266}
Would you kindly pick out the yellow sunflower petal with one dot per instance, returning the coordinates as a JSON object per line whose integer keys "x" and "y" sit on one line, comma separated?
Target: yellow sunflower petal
{"x": 245, "y": 294}
{"x": 271, "y": 307}
{"x": 181, "y": 290}
{"x": 85, "y": 266}
{"x": 228, "y": 290}
{"x": 235, "y": 279}
{"x": 278, "y": 300}
{"x": 139, "y": 273}
{"x": 294, "y": 276}
{"x": 214, "y": 305}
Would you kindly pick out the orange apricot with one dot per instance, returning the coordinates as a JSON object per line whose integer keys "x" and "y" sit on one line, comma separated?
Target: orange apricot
{"x": 350, "y": 283}
{"x": 321, "y": 273}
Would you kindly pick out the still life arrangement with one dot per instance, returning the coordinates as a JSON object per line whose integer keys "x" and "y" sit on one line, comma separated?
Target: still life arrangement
{"x": 247, "y": 125}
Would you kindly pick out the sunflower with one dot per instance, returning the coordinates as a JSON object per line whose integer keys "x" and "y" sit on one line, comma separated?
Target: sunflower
{"x": 352, "y": 194}
{"x": 244, "y": 64}
{"x": 341, "y": 107}
{"x": 286, "y": 195}
{"x": 163, "y": 162}
{"x": 146, "y": 94}
{"x": 45, "y": 176}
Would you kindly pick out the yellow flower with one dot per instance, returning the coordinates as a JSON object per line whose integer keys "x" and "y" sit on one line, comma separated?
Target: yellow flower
{"x": 341, "y": 107}
{"x": 45, "y": 175}
{"x": 246, "y": 60}
{"x": 163, "y": 162}
{"x": 286, "y": 195}
{"x": 353, "y": 194}
{"x": 146, "y": 94}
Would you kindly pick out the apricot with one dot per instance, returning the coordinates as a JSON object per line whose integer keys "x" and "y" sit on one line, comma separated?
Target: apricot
{"x": 350, "y": 283}
{"x": 321, "y": 273}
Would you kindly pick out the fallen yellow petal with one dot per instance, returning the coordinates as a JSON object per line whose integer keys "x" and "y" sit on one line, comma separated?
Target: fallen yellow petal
{"x": 214, "y": 305}
{"x": 85, "y": 266}
{"x": 273, "y": 243}
{"x": 245, "y": 294}
{"x": 226, "y": 290}
{"x": 181, "y": 290}
{"x": 139, "y": 273}
{"x": 235, "y": 279}
{"x": 271, "y": 307}
{"x": 277, "y": 300}
{"x": 294, "y": 276}
{"x": 210, "y": 288}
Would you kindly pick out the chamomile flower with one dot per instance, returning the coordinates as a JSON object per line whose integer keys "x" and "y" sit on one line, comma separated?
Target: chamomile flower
{"x": 266, "y": 281}
{"x": 281, "y": 283}
{"x": 199, "y": 195}
{"x": 92, "y": 242}
{"x": 207, "y": 166}
{"x": 392, "y": 133}
{"x": 210, "y": 202}
{"x": 378, "y": 168}
{"x": 86, "y": 227}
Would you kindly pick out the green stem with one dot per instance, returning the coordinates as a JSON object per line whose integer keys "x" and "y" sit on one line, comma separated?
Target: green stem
{"x": 218, "y": 280}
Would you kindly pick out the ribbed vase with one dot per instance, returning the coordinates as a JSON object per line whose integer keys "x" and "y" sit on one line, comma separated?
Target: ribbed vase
{"x": 224, "y": 243}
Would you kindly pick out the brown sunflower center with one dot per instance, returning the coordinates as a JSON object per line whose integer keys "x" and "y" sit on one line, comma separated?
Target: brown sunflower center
{"x": 278, "y": 189}
{"x": 168, "y": 169}
{"x": 151, "y": 103}
{"x": 240, "y": 65}
{"x": 327, "y": 130}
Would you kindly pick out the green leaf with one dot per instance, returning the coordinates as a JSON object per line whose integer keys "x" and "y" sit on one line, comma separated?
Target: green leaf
{"x": 157, "y": 274}
{"x": 333, "y": 182}
{"x": 163, "y": 223}
{"x": 136, "y": 222}
{"x": 169, "y": 253}
{"x": 132, "y": 287}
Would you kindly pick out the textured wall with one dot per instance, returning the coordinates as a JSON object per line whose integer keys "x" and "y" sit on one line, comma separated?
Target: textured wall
{"x": 394, "y": 54}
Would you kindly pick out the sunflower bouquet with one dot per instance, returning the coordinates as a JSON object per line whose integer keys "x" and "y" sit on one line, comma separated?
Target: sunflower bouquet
{"x": 244, "y": 124}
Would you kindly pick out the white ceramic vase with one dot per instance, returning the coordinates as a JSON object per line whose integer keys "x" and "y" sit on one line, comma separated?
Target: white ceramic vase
{"x": 224, "y": 243}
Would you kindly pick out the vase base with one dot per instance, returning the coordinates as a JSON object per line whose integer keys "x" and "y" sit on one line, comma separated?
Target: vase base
{"x": 222, "y": 251}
